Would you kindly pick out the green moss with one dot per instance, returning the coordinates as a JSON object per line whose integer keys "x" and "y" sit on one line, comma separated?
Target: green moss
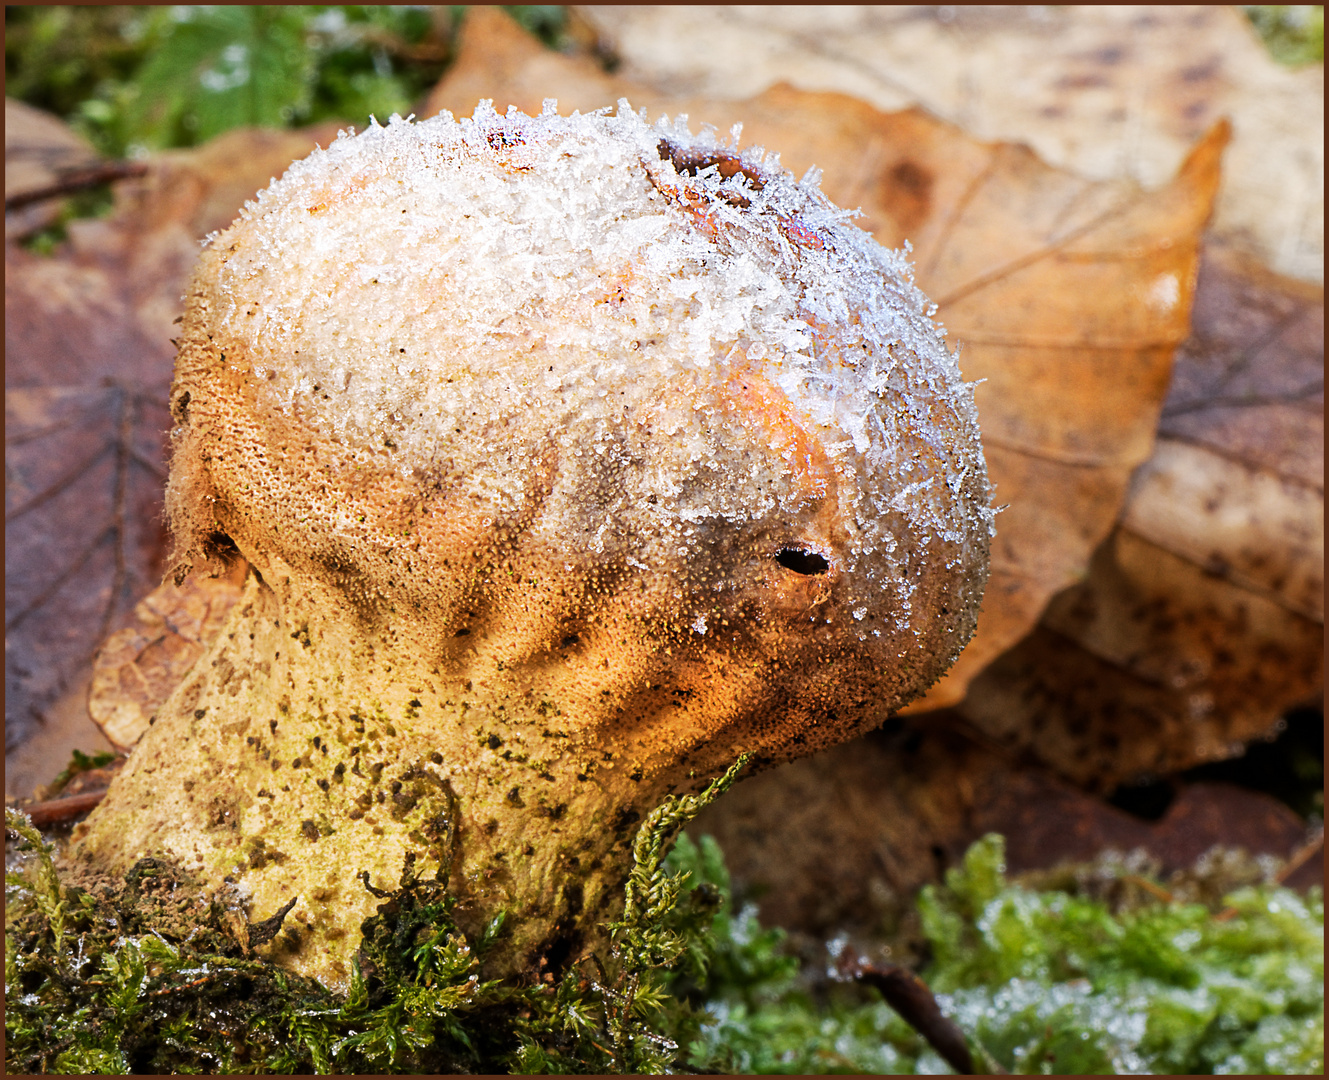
{"x": 151, "y": 974}
{"x": 177, "y": 76}
{"x": 1097, "y": 976}
{"x": 1062, "y": 978}
{"x": 1085, "y": 970}
{"x": 1293, "y": 33}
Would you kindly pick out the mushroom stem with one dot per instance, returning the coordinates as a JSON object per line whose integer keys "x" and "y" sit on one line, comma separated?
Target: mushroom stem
{"x": 274, "y": 767}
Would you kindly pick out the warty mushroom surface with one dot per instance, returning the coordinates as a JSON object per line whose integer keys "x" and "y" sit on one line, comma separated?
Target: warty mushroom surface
{"x": 572, "y": 457}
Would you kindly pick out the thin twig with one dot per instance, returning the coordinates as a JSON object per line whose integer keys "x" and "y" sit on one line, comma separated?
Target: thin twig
{"x": 1299, "y": 857}
{"x": 909, "y": 996}
{"x": 186, "y": 986}
{"x": 54, "y": 811}
{"x": 76, "y": 181}
{"x": 1294, "y": 863}
{"x": 435, "y": 52}
{"x": 1149, "y": 887}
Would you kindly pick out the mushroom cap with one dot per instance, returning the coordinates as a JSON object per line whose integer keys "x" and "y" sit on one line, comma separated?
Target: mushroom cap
{"x": 587, "y": 385}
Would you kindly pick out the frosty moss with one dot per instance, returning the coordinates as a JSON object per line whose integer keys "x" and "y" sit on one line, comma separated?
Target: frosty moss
{"x": 107, "y": 977}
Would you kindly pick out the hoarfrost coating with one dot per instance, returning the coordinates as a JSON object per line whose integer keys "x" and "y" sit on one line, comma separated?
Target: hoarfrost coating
{"x": 575, "y": 269}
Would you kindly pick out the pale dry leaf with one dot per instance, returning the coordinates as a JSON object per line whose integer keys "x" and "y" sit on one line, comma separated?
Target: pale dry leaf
{"x": 202, "y": 189}
{"x": 1247, "y": 525}
{"x": 1105, "y": 91}
{"x": 137, "y": 667}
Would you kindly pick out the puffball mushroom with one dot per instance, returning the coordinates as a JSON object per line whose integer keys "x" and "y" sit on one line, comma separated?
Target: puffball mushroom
{"x": 573, "y": 457}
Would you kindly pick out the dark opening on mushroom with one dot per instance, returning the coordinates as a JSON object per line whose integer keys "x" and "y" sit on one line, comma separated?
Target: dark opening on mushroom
{"x": 802, "y": 561}
{"x": 691, "y": 161}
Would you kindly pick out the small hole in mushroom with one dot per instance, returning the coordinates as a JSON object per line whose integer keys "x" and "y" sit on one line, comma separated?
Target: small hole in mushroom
{"x": 690, "y": 162}
{"x": 801, "y": 561}
{"x": 217, "y": 545}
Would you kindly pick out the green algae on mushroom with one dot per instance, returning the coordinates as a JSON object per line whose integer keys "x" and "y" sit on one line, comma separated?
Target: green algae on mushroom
{"x": 572, "y": 457}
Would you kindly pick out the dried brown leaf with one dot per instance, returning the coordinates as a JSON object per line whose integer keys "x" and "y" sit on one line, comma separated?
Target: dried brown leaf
{"x": 137, "y": 667}
{"x": 1249, "y": 382}
{"x": 832, "y": 848}
{"x": 83, "y": 530}
{"x": 88, "y": 364}
{"x": 1201, "y": 620}
{"x": 40, "y": 151}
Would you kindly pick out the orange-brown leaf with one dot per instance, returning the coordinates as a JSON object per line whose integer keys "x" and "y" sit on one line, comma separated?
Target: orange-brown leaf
{"x": 1201, "y": 620}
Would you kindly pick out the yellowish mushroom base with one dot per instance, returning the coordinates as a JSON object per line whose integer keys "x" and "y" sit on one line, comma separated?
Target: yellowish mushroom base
{"x": 271, "y": 775}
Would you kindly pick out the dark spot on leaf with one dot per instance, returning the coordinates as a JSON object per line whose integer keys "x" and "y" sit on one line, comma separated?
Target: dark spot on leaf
{"x": 906, "y": 188}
